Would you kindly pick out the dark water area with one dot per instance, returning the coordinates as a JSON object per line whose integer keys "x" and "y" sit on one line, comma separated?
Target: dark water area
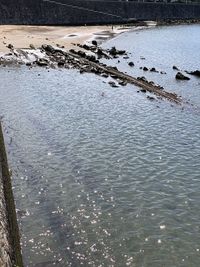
{"x": 112, "y": 179}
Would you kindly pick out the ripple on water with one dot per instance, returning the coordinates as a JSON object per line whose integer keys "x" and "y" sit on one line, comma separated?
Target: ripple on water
{"x": 106, "y": 181}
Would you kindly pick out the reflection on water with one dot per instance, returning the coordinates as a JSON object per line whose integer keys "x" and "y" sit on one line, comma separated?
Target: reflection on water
{"x": 107, "y": 180}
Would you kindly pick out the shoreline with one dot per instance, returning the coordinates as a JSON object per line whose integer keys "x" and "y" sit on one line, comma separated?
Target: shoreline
{"x": 35, "y": 36}
{"x": 28, "y": 36}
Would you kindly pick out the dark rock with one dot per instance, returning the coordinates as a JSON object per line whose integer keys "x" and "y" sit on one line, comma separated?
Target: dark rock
{"x": 32, "y": 46}
{"x": 153, "y": 70}
{"x": 42, "y": 62}
{"x": 82, "y": 70}
{"x": 81, "y": 53}
{"x": 195, "y": 73}
{"x": 61, "y": 63}
{"x": 10, "y": 46}
{"x": 49, "y": 48}
{"x": 151, "y": 97}
{"x": 114, "y": 68}
{"x": 121, "y": 52}
{"x": 163, "y": 72}
{"x": 123, "y": 83}
{"x": 60, "y": 46}
{"x": 131, "y": 64}
{"x": 105, "y": 75}
{"x": 143, "y": 90}
{"x": 86, "y": 47}
{"x": 113, "y": 76}
{"x": 180, "y": 76}
{"x": 142, "y": 79}
{"x": 99, "y": 52}
{"x": 94, "y": 42}
{"x": 91, "y": 58}
{"x": 113, "y": 51}
{"x": 112, "y": 84}
{"x": 145, "y": 69}
{"x": 175, "y": 68}
{"x": 126, "y": 57}
{"x": 72, "y": 51}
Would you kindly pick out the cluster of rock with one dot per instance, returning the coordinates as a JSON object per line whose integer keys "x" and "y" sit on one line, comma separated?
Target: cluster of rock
{"x": 87, "y": 59}
{"x": 181, "y": 76}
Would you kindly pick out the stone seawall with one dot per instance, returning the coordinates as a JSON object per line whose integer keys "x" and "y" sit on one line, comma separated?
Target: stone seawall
{"x": 63, "y": 12}
{"x": 10, "y": 252}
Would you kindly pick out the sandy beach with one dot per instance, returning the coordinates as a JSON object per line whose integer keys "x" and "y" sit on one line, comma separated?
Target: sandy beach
{"x": 24, "y": 36}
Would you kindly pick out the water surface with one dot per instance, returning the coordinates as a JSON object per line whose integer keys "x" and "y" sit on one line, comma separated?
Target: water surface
{"x": 107, "y": 180}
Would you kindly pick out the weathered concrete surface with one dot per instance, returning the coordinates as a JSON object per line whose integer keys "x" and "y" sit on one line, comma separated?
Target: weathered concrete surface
{"x": 40, "y": 12}
{"x": 10, "y": 254}
{"x": 5, "y": 248}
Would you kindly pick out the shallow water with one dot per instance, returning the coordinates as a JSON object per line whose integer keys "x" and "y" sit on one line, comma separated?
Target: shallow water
{"x": 107, "y": 180}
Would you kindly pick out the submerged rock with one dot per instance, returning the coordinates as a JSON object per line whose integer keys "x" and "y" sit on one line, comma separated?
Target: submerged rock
{"x": 112, "y": 84}
{"x": 180, "y": 76}
{"x": 151, "y": 97}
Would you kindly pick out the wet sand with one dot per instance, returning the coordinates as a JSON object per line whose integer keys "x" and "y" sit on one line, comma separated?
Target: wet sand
{"x": 22, "y": 36}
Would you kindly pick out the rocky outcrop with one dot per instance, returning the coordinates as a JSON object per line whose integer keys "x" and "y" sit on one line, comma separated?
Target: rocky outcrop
{"x": 195, "y": 73}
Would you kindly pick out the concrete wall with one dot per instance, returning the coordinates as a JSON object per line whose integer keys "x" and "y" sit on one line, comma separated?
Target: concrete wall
{"x": 42, "y": 12}
{"x": 10, "y": 252}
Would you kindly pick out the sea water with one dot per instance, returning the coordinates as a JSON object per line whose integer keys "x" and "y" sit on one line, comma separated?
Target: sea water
{"x": 102, "y": 176}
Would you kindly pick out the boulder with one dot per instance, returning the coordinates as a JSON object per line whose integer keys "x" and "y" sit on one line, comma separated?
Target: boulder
{"x": 131, "y": 64}
{"x": 180, "y": 76}
{"x": 94, "y": 42}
